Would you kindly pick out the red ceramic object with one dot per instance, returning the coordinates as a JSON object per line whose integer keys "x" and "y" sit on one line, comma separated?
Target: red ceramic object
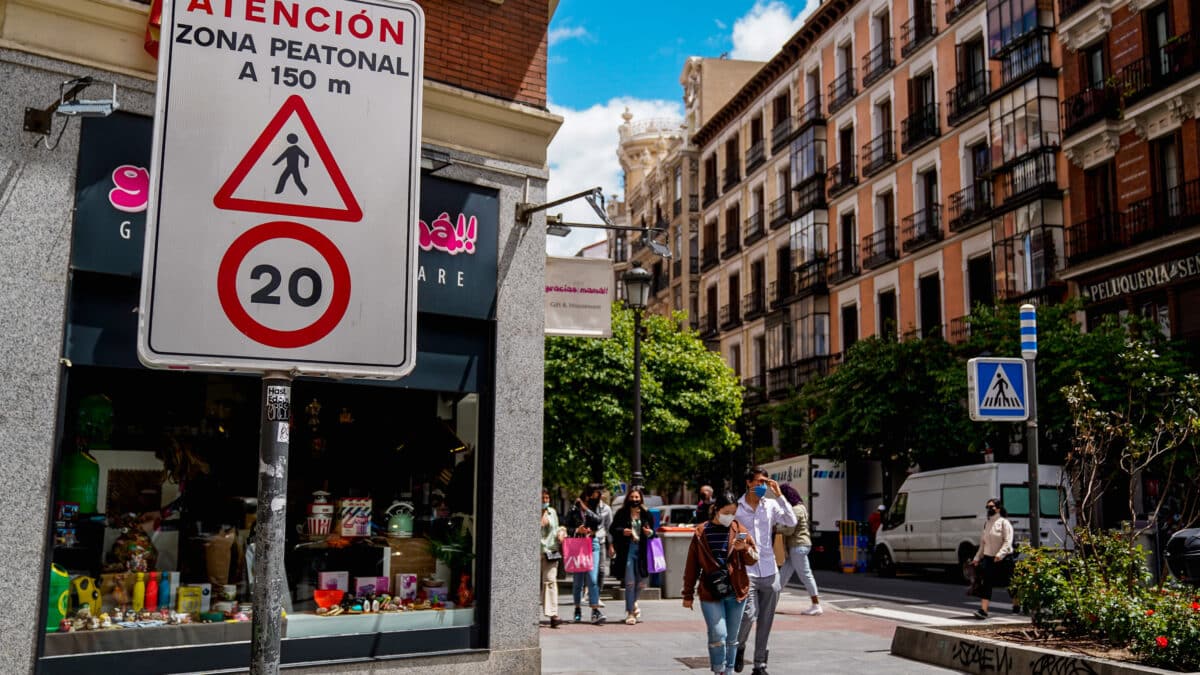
{"x": 327, "y": 598}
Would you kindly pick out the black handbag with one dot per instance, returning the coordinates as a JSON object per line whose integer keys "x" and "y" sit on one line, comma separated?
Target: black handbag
{"x": 718, "y": 583}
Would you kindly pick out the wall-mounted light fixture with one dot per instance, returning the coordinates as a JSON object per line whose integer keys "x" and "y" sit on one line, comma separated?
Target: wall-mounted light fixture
{"x": 555, "y": 226}
{"x": 40, "y": 120}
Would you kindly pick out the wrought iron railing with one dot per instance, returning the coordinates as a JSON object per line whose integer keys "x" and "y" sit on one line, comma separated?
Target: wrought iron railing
{"x": 731, "y": 242}
{"x": 810, "y": 194}
{"x": 753, "y": 302}
{"x": 922, "y": 228}
{"x": 917, "y": 31}
{"x": 841, "y": 90}
{"x": 811, "y": 112}
{"x": 970, "y": 205}
{"x": 968, "y": 97}
{"x": 920, "y": 127}
{"x": 955, "y": 9}
{"x": 782, "y": 132}
{"x": 733, "y": 174}
{"x": 842, "y": 177}
{"x": 879, "y": 248}
{"x": 812, "y": 277}
{"x": 781, "y": 211}
{"x": 754, "y": 228}
{"x": 755, "y": 155}
{"x": 730, "y": 316}
{"x": 1177, "y": 59}
{"x": 879, "y": 153}
{"x": 878, "y": 61}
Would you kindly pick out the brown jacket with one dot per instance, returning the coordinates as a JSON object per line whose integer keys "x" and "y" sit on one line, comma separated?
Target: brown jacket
{"x": 700, "y": 559}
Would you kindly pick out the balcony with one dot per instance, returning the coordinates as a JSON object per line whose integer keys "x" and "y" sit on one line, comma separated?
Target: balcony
{"x": 841, "y": 90}
{"x": 959, "y": 330}
{"x": 677, "y": 207}
{"x": 781, "y": 381}
{"x": 917, "y": 31}
{"x": 810, "y": 194}
{"x": 811, "y": 113}
{"x": 813, "y": 367}
{"x": 708, "y": 325}
{"x": 879, "y": 153}
{"x": 1090, "y": 106}
{"x": 812, "y": 277}
{"x": 755, "y": 307}
{"x": 844, "y": 266}
{"x": 841, "y": 178}
{"x": 694, "y": 203}
{"x": 922, "y": 228}
{"x": 710, "y": 191}
{"x": 676, "y": 268}
{"x": 1027, "y": 263}
{"x": 754, "y": 228}
{"x": 1148, "y": 219}
{"x": 731, "y": 243}
{"x": 956, "y": 9}
{"x": 781, "y": 211}
{"x": 694, "y": 264}
{"x": 659, "y": 283}
{"x": 756, "y": 155}
{"x": 710, "y": 259}
{"x": 878, "y": 61}
{"x": 920, "y": 127}
{"x": 732, "y": 176}
{"x": 730, "y": 316}
{"x": 970, "y": 205}
{"x": 755, "y": 390}
{"x": 968, "y": 97}
{"x": 1031, "y": 176}
{"x": 879, "y": 248}
{"x": 1068, "y": 8}
{"x": 1175, "y": 61}
{"x": 782, "y": 133}
{"x": 779, "y": 293}
{"x": 1028, "y": 55}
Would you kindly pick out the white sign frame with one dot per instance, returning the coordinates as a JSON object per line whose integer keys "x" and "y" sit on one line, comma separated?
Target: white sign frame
{"x": 575, "y": 307}
{"x": 973, "y": 385}
{"x": 364, "y": 326}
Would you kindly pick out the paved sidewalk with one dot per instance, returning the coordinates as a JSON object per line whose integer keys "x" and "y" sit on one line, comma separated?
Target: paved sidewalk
{"x": 672, "y": 640}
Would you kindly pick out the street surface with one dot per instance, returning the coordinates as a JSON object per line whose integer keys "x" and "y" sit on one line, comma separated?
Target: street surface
{"x": 853, "y": 636}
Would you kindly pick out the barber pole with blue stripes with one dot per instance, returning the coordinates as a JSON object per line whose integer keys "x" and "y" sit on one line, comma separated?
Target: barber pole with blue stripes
{"x": 1029, "y": 350}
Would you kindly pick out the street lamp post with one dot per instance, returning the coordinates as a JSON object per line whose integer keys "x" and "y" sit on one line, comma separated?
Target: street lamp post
{"x": 637, "y": 293}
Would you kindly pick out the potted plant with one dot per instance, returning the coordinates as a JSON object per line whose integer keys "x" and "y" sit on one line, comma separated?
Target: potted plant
{"x": 454, "y": 552}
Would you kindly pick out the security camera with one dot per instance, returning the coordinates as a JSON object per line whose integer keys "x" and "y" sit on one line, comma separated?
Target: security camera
{"x": 70, "y": 104}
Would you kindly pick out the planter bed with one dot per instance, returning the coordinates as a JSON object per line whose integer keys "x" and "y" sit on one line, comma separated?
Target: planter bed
{"x": 1012, "y": 649}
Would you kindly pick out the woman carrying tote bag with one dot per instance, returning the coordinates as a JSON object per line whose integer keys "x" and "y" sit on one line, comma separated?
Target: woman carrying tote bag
{"x": 717, "y": 560}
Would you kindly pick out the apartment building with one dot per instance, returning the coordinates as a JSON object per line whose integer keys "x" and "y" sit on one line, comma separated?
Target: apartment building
{"x": 1131, "y": 86}
{"x": 662, "y": 187}
{"x": 910, "y": 171}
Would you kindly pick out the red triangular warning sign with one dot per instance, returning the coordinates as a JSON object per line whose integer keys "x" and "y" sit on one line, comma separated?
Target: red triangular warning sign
{"x": 224, "y": 199}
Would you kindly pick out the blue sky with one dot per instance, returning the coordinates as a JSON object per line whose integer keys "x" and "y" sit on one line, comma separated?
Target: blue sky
{"x": 608, "y": 56}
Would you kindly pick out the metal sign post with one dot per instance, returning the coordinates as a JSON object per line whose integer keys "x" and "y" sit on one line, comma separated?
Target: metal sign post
{"x": 1029, "y": 353}
{"x": 270, "y": 578}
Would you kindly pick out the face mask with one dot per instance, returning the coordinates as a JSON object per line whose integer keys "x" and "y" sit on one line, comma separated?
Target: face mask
{"x": 760, "y": 490}
{"x": 635, "y": 502}
{"x": 594, "y": 502}
{"x": 545, "y": 505}
{"x": 725, "y": 519}
{"x": 991, "y": 511}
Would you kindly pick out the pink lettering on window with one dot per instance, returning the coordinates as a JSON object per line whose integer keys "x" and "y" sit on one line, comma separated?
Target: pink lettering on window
{"x": 132, "y": 191}
{"x": 449, "y": 236}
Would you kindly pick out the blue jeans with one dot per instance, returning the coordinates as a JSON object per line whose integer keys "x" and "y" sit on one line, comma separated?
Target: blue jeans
{"x": 723, "y": 617}
{"x": 589, "y": 578}
{"x": 797, "y": 561}
{"x": 631, "y": 577}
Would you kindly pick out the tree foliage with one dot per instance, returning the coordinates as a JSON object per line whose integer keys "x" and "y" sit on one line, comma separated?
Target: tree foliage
{"x": 690, "y": 401}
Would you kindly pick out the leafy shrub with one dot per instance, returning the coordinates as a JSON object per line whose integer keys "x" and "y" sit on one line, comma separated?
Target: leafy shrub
{"x": 1102, "y": 589}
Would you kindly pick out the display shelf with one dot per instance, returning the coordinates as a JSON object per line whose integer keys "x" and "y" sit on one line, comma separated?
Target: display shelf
{"x": 154, "y": 637}
{"x": 310, "y": 625}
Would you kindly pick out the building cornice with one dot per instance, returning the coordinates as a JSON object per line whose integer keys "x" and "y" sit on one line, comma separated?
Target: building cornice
{"x": 823, "y": 19}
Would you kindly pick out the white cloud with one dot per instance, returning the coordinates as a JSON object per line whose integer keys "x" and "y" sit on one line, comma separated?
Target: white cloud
{"x": 567, "y": 33}
{"x": 584, "y": 155}
{"x": 759, "y": 34}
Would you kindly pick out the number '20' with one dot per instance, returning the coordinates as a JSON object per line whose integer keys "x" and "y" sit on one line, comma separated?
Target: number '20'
{"x": 266, "y": 294}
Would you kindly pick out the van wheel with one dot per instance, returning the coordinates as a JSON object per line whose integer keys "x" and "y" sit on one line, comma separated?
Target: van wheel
{"x": 885, "y": 566}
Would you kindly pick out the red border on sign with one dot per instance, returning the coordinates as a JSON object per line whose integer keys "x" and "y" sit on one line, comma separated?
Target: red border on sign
{"x": 251, "y": 328}
{"x": 224, "y": 198}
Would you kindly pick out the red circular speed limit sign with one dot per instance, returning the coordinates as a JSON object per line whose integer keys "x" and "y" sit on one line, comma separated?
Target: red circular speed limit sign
{"x": 293, "y": 288}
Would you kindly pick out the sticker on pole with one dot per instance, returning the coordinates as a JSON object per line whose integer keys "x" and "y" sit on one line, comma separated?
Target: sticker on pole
{"x": 281, "y": 230}
{"x": 997, "y": 390}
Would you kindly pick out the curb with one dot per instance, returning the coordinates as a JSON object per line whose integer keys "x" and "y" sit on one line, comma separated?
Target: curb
{"x": 968, "y": 653}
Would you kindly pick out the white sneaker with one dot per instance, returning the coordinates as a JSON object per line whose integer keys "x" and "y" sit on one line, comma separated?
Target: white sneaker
{"x": 630, "y": 619}
{"x": 815, "y": 610}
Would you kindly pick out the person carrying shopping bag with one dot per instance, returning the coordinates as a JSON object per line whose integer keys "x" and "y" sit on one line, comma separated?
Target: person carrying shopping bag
{"x": 582, "y": 522}
{"x": 551, "y": 553}
{"x": 632, "y": 529}
{"x": 716, "y": 561}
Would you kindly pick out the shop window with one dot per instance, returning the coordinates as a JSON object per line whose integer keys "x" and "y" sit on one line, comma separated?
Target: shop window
{"x": 155, "y": 514}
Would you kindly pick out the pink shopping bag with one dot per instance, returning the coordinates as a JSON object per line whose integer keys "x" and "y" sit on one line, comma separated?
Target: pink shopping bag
{"x": 577, "y": 555}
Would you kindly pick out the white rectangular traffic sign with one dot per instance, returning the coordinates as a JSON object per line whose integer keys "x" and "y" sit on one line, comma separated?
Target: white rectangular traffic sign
{"x": 284, "y": 180}
{"x": 997, "y": 390}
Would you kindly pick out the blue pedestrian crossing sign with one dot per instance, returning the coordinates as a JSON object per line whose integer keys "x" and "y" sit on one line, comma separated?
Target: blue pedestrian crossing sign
{"x": 997, "y": 390}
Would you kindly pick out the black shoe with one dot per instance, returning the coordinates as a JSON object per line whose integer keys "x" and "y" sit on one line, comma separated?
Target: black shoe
{"x": 578, "y": 616}
{"x": 740, "y": 662}
{"x": 598, "y": 618}
{"x": 555, "y": 622}
{"x": 1016, "y": 609}
{"x": 759, "y": 670}
{"x": 980, "y": 614}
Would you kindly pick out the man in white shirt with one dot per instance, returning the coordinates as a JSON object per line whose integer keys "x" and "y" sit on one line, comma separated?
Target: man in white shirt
{"x": 762, "y": 507}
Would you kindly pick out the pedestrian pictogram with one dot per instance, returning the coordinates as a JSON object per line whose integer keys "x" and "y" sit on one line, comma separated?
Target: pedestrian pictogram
{"x": 241, "y": 193}
{"x": 998, "y": 389}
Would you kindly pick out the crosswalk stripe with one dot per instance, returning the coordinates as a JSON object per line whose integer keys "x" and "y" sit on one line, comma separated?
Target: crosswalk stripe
{"x": 924, "y": 619}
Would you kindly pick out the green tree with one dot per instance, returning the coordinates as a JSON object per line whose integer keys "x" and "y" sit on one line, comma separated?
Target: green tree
{"x": 690, "y": 402}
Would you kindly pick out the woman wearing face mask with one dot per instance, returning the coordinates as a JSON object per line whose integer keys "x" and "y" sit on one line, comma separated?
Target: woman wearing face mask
{"x": 551, "y": 554}
{"x": 632, "y": 528}
{"x": 717, "y": 559}
{"x": 582, "y": 521}
{"x": 991, "y": 560}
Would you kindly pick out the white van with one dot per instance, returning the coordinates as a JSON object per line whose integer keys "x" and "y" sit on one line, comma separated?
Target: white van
{"x": 937, "y": 516}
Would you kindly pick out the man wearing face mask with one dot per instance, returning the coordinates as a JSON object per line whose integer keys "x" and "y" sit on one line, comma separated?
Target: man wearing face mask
{"x": 759, "y": 510}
